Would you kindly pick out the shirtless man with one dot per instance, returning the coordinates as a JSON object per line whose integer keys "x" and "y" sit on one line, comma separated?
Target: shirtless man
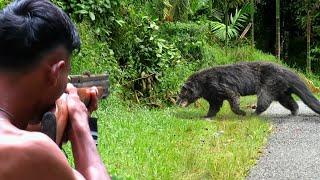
{"x": 36, "y": 43}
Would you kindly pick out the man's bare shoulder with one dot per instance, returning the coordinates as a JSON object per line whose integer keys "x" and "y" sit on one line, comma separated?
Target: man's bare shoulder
{"x": 32, "y": 155}
{"x": 29, "y": 142}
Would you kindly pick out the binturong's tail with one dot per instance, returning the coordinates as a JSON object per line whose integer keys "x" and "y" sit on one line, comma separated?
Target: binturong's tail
{"x": 301, "y": 89}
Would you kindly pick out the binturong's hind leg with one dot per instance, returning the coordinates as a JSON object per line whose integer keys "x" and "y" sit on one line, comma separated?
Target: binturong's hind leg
{"x": 214, "y": 108}
{"x": 234, "y": 102}
{"x": 288, "y": 102}
{"x": 264, "y": 101}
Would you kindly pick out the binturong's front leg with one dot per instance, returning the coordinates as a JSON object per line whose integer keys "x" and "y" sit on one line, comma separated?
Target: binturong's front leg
{"x": 214, "y": 108}
{"x": 235, "y": 105}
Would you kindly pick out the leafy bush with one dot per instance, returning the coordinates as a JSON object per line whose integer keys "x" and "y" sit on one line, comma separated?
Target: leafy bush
{"x": 142, "y": 54}
{"x": 188, "y": 37}
{"x": 3, "y": 3}
{"x": 95, "y": 56}
{"x": 91, "y": 8}
{"x": 101, "y": 13}
{"x": 119, "y": 39}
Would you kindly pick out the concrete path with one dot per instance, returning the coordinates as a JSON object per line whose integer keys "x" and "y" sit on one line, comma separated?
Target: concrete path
{"x": 293, "y": 150}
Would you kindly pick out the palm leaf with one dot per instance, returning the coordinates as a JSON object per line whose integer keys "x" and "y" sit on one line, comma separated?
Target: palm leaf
{"x": 219, "y": 29}
{"x": 217, "y": 14}
{"x": 236, "y": 24}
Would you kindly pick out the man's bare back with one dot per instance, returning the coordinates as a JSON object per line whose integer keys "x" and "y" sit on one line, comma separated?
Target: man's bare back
{"x": 23, "y": 152}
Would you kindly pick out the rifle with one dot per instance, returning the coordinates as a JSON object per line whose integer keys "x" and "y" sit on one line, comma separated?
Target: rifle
{"x": 82, "y": 83}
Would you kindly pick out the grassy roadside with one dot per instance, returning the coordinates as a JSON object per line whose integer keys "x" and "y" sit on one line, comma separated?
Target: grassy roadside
{"x": 173, "y": 143}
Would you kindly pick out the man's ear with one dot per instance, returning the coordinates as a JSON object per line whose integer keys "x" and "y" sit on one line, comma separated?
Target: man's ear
{"x": 55, "y": 69}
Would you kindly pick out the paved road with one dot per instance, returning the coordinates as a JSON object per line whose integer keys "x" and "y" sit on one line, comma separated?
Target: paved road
{"x": 293, "y": 150}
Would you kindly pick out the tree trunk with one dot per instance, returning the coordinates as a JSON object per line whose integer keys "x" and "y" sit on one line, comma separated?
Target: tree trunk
{"x": 226, "y": 22}
{"x": 211, "y": 7}
{"x": 252, "y": 23}
{"x": 308, "y": 41}
{"x": 278, "y": 43}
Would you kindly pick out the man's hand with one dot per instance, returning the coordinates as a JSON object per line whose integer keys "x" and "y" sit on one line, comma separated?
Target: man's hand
{"x": 61, "y": 113}
{"x": 76, "y": 107}
{"x": 86, "y": 156}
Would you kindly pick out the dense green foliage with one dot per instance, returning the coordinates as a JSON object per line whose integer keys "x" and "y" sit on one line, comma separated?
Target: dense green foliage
{"x": 3, "y": 3}
{"x": 150, "y": 47}
{"x": 294, "y": 15}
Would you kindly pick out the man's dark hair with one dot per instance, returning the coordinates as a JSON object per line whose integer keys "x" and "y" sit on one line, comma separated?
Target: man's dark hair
{"x": 30, "y": 28}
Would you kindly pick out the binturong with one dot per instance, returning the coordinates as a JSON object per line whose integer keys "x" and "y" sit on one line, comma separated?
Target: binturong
{"x": 269, "y": 81}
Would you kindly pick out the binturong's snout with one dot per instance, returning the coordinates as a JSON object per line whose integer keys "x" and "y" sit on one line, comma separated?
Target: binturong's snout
{"x": 182, "y": 102}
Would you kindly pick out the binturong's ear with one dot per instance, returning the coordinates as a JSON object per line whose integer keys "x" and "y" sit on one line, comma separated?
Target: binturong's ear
{"x": 55, "y": 69}
{"x": 189, "y": 86}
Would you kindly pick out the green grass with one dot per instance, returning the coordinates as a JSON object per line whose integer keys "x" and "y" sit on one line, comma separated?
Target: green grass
{"x": 174, "y": 143}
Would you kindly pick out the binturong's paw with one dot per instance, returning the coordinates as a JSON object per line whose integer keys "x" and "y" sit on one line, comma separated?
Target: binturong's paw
{"x": 242, "y": 113}
{"x": 294, "y": 113}
{"x": 208, "y": 118}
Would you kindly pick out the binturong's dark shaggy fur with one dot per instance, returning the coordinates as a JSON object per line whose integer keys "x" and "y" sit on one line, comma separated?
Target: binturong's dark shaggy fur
{"x": 269, "y": 81}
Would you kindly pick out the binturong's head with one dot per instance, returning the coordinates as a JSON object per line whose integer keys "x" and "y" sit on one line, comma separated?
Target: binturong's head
{"x": 189, "y": 93}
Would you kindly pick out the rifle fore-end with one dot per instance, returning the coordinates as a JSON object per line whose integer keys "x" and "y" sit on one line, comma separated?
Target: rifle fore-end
{"x": 85, "y": 82}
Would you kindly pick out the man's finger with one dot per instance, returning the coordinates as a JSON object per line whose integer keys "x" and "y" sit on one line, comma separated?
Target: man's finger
{"x": 94, "y": 89}
{"x": 71, "y": 89}
{"x": 93, "y": 99}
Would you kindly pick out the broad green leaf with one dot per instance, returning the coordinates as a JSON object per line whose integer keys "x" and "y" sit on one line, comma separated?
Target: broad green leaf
{"x": 81, "y": 12}
{"x": 92, "y": 16}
